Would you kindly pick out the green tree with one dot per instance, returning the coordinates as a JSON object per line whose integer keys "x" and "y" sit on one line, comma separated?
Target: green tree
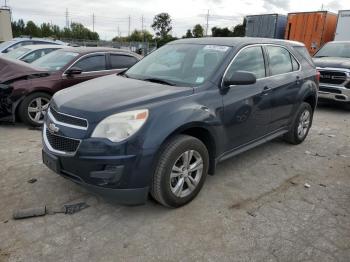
{"x": 221, "y": 32}
{"x": 188, "y": 34}
{"x": 239, "y": 30}
{"x": 198, "y": 31}
{"x": 46, "y": 30}
{"x": 162, "y": 25}
{"x": 32, "y": 30}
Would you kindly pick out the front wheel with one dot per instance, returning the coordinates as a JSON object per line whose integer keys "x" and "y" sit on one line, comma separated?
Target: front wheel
{"x": 301, "y": 125}
{"x": 33, "y": 108}
{"x": 180, "y": 172}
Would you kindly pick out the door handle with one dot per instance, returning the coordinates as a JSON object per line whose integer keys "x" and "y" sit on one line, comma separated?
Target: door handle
{"x": 266, "y": 90}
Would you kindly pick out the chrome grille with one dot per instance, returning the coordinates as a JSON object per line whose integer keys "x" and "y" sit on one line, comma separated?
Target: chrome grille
{"x": 61, "y": 143}
{"x": 332, "y": 77}
{"x": 67, "y": 119}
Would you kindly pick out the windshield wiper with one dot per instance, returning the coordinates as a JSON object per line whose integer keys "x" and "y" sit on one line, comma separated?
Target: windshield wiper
{"x": 123, "y": 73}
{"x": 160, "y": 81}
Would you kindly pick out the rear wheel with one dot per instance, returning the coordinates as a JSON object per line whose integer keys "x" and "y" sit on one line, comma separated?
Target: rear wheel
{"x": 33, "y": 108}
{"x": 301, "y": 125}
{"x": 180, "y": 172}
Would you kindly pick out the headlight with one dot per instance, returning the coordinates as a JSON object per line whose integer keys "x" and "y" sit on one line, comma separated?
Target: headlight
{"x": 120, "y": 126}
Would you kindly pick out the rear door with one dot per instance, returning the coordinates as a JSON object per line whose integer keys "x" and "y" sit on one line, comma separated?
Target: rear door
{"x": 285, "y": 80}
{"x": 120, "y": 62}
{"x": 247, "y": 108}
{"x": 92, "y": 66}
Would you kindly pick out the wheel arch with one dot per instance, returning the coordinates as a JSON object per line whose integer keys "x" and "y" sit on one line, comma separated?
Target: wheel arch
{"x": 202, "y": 133}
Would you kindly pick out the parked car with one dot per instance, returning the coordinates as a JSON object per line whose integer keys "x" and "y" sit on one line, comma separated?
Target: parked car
{"x": 333, "y": 63}
{"x": 165, "y": 123}
{"x": 26, "y": 89}
{"x": 30, "y": 53}
{"x": 15, "y": 43}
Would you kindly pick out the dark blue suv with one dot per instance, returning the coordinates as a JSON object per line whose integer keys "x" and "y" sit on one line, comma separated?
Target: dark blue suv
{"x": 163, "y": 125}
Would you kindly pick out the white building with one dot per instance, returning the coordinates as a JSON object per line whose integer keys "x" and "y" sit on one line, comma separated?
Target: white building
{"x": 5, "y": 24}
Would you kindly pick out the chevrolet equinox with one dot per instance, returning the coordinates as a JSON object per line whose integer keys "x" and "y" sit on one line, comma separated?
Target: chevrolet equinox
{"x": 160, "y": 127}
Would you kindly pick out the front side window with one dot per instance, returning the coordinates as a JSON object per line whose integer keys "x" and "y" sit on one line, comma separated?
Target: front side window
{"x": 55, "y": 60}
{"x": 181, "y": 64}
{"x": 251, "y": 60}
{"x": 279, "y": 60}
{"x": 92, "y": 63}
{"x": 29, "y": 58}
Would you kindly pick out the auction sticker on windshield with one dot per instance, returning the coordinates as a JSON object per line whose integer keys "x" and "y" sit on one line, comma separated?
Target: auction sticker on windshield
{"x": 219, "y": 48}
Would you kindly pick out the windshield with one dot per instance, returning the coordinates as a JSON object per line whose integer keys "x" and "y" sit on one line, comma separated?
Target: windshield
{"x": 334, "y": 50}
{"x": 180, "y": 64}
{"x": 17, "y": 53}
{"x": 55, "y": 61}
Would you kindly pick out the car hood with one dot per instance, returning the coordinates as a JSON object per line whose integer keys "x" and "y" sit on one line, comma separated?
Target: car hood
{"x": 334, "y": 62}
{"x": 11, "y": 70}
{"x": 101, "y": 97}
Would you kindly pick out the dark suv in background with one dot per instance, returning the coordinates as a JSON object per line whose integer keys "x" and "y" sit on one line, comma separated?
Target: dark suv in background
{"x": 26, "y": 89}
{"x": 166, "y": 123}
{"x": 333, "y": 63}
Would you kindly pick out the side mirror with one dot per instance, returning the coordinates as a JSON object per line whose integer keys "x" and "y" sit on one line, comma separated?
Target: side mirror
{"x": 240, "y": 78}
{"x": 74, "y": 71}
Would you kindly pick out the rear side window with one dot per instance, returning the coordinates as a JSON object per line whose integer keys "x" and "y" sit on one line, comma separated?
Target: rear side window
{"x": 122, "y": 61}
{"x": 92, "y": 63}
{"x": 250, "y": 59}
{"x": 279, "y": 60}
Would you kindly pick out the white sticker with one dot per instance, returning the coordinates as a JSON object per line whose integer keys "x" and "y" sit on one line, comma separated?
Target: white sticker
{"x": 200, "y": 79}
{"x": 219, "y": 48}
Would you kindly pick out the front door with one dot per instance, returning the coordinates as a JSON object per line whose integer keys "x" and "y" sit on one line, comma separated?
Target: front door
{"x": 92, "y": 66}
{"x": 247, "y": 108}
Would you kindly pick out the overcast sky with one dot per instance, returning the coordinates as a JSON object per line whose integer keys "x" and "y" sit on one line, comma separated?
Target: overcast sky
{"x": 111, "y": 14}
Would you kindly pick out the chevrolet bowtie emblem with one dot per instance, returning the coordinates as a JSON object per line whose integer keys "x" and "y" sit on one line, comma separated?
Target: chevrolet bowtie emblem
{"x": 53, "y": 128}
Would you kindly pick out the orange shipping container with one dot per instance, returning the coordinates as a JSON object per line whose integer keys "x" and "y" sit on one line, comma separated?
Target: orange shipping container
{"x": 314, "y": 29}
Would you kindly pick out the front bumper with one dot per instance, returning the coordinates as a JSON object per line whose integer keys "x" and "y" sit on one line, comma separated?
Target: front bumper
{"x": 120, "y": 172}
{"x": 334, "y": 93}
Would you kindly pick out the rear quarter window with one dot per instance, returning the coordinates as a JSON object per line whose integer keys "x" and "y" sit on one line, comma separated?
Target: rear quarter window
{"x": 304, "y": 55}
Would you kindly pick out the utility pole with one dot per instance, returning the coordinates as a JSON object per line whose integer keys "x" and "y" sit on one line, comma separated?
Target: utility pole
{"x": 129, "y": 25}
{"x": 93, "y": 22}
{"x": 142, "y": 31}
{"x": 206, "y": 30}
{"x": 67, "y": 16}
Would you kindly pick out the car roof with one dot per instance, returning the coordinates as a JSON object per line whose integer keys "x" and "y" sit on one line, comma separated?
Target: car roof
{"x": 20, "y": 39}
{"x": 87, "y": 50}
{"x": 235, "y": 41}
{"x": 37, "y": 47}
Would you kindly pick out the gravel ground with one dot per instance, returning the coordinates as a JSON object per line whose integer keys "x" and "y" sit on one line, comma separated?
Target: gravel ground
{"x": 256, "y": 208}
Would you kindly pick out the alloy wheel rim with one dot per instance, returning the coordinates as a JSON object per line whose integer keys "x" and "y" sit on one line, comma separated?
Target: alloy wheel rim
{"x": 186, "y": 173}
{"x": 304, "y": 124}
{"x": 37, "y": 109}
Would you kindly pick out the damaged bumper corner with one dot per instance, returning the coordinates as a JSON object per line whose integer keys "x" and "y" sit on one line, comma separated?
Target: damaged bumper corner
{"x": 7, "y": 104}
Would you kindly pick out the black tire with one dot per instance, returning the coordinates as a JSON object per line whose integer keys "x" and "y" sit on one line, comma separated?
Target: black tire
{"x": 24, "y": 108}
{"x": 161, "y": 189}
{"x": 292, "y": 136}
